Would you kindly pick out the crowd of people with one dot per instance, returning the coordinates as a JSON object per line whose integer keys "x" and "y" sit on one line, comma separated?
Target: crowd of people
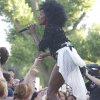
{"x": 66, "y": 70}
{"x": 15, "y": 89}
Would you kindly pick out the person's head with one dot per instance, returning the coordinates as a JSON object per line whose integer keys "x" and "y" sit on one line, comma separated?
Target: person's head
{"x": 22, "y": 92}
{"x": 3, "y": 88}
{"x": 7, "y": 76}
{"x": 62, "y": 95}
{"x": 53, "y": 13}
{"x": 3, "y": 55}
{"x": 12, "y": 71}
{"x": 9, "y": 79}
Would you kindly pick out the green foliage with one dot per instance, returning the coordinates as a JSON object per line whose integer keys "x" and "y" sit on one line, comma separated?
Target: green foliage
{"x": 74, "y": 9}
{"x": 88, "y": 47}
{"x": 23, "y": 51}
{"x": 93, "y": 40}
{"x": 17, "y": 11}
{"x": 79, "y": 41}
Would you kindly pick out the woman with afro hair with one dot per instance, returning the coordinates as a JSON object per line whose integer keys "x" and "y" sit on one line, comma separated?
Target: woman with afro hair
{"x": 53, "y": 17}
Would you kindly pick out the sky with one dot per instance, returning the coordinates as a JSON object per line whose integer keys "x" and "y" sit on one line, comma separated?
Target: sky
{"x": 92, "y": 16}
{"x": 4, "y": 26}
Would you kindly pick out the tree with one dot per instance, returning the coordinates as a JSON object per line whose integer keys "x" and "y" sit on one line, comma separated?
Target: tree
{"x": 78, "y": 40}
{"x": 23, "y": 12}
{"x": 76, "y": 11}
{"x": 93, "y": 40}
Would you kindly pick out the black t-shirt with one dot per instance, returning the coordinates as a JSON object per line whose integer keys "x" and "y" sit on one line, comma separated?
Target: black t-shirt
{"x": 53, "y": 37}
{"x": 94, "y": 90}
{"x": 95, "y": 93}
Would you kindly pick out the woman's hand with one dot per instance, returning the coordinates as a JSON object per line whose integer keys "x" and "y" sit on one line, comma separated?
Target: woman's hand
{"x": 34, "y": 70}
{"x": 37, "y": 61}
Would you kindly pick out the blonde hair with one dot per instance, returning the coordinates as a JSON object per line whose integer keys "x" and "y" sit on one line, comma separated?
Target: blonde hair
{"x": 3, "y": 88}
{"x": 22, "y": 91}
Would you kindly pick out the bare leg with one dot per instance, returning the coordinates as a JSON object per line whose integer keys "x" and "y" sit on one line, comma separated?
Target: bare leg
{"x": 55, "y": 82}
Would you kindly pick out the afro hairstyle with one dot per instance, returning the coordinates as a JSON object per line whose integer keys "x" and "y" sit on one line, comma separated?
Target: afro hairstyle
{"x": 54, "y": 12}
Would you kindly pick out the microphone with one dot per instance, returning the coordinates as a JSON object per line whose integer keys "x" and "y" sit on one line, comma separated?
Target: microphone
{"x": 24, "y": 29}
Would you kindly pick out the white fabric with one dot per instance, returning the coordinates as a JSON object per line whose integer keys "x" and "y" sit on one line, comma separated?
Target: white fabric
{"x": 69, "y": 62}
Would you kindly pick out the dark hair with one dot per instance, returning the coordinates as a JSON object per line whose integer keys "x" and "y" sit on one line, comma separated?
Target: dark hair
{"x": 7, "y": 76}
{"x": 34, "y": 95}
{"x": 12, "y": 70}
{"x": 3, "y": 55}
{"x": 54, "y": 12}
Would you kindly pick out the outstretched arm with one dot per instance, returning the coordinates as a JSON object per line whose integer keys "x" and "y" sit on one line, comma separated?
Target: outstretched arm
{"x": 32, "y": 71}
{"x": 93, "y": 79}
{"x": 31, "y": 75}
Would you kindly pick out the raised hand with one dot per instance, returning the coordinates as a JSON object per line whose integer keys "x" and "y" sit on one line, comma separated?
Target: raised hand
{"x": 37, "y": 61}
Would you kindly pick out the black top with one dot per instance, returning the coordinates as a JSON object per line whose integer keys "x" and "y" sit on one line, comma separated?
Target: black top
{"x": 90, "y": 86}
{"x": 53, "y": 37}
{"x": 95, "y": 94}
{"x": 94, "y": 90}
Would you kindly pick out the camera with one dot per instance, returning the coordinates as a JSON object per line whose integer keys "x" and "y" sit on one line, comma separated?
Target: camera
{"x": 94, "y": 70}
